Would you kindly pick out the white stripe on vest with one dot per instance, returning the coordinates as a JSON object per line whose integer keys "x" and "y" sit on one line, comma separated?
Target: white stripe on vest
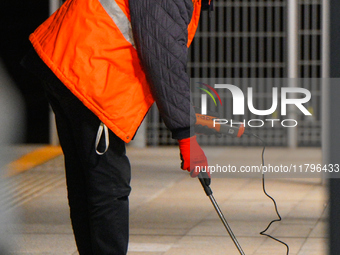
{"x": 119, "y": 18}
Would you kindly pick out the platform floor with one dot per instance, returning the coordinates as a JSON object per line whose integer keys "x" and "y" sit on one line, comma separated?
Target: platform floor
{"x": 171, "y": 215}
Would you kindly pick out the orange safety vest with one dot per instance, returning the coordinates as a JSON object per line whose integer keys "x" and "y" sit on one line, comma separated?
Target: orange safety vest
{"x": 89, "y": 46}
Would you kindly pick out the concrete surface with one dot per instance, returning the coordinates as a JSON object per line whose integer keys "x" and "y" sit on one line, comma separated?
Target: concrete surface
{"x": 170, "y": 213}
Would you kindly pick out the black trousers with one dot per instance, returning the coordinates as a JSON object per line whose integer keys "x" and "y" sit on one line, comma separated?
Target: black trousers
{"x": 98, "y": 186}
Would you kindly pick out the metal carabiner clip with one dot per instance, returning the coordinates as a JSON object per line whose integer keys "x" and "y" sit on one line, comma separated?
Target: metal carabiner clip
{"x": 102, "y": 127}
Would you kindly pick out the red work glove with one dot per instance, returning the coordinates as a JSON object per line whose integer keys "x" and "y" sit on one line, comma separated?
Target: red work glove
{"x": 193, "y": 157}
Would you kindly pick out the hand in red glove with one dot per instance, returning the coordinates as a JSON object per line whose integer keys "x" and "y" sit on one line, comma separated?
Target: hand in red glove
{"x": 193, "y": 157}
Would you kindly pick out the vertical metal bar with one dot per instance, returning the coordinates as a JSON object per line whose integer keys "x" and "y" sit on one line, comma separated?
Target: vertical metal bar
{"x": 196, "y": 60}
{"x": 212, "y": 49}
{"x": 53, "y": 5}
{"x": 245, "y": 46}
{"x": 229, "y": 25}
{"x": 314, "y": 41}
{"x": 315, "y": 87}
{"x": 306, "y": 59}
{"x": 253, "y": 18}
{"x": 237, "y": 29}
{"x": 292, "y": 38}
{"x": 261, "y": 39}
{"x": 221, "y": 43}
{"x": 53, "y": 137}
{"x": 205, "y": 51}
{"x": 267, "y": 133}
{"x": 307, "y": 44}
{"x": 211, "y": 56}
{"x": 325, "y": 38}
{"x": 253, "y": 62}
{"x": 325, "y": 116}
{"x": 332, "y": 125}
{"x": 277, "y": 40}
{"x": 260, "y": 86}
{"x": 277, "y": 58}
{"x": 155, "y": 125}
{"x": 221, "y": 54}
{"x": 53, "y": 134}
{"x": 243, "y": 35}
{"x": 229, "y": 60}
{"x": 270, "y": 33}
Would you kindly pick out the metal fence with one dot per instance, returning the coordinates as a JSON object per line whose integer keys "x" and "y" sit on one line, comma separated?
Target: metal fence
{"x": 248, "y": 39}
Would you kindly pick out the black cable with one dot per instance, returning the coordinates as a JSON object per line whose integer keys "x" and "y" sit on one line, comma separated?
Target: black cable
{"x": 275, "y": 205}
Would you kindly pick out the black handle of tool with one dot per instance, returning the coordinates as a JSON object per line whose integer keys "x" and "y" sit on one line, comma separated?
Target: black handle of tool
{"x": 205, "y": 181}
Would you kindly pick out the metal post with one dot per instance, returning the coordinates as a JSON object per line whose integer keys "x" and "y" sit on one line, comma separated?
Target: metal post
{"x": 155, "y": 125}
{"x": 53, "y": 6}
{"x": 333, "y": 124}
{"x": 292, "y": 61}
{"x": 325, "y": 80}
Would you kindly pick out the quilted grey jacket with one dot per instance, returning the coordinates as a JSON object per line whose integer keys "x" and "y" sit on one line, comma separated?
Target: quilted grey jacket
{"x": 160, "y": 34}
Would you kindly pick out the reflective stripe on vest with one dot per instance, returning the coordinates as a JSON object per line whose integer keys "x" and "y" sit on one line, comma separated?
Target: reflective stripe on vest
{"x": 119, "y": 18}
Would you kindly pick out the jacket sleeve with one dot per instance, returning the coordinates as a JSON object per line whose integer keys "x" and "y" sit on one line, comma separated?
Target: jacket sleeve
{"x": 160, "y": 34}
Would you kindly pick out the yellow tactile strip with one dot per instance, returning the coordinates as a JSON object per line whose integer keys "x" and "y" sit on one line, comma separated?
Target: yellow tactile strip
{"x": 32, "y": 159}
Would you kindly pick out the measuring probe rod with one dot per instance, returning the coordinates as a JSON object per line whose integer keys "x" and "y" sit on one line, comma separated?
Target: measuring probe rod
{"x": 205, "y": 181}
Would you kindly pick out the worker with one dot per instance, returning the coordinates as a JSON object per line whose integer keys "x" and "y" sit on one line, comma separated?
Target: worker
{"x": 104, "y": 63}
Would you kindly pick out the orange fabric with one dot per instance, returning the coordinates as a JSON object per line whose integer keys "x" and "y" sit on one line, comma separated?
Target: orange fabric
{"x": 194, "y": 21}
{"x": 97, "y": 64}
